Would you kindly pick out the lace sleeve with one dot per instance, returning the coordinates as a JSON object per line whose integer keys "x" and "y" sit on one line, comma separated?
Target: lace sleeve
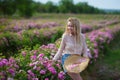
{"x": 61, "y": 48}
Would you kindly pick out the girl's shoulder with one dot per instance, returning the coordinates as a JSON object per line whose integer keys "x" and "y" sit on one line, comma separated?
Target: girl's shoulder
{"x": 82, "y": 35}
{"x": 64, "y": 35}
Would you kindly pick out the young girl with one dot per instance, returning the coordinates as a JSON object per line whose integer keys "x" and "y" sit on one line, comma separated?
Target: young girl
{"x": 73, "y": 42}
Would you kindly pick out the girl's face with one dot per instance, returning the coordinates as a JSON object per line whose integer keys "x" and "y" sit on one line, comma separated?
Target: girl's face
{"x": 70, "y": 27}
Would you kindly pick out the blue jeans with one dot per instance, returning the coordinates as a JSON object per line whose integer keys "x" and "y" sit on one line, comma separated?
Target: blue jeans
{"x": 64, "y": 57}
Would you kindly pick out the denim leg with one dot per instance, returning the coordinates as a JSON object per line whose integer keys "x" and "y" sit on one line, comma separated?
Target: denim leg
{"x": 64, "y": 57}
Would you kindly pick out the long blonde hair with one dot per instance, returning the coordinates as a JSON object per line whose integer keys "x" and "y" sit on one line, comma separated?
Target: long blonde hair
{"x": 76, "y": 27}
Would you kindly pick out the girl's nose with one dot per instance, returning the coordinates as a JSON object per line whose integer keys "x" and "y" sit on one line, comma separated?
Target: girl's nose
{"x": 70, "y": 28}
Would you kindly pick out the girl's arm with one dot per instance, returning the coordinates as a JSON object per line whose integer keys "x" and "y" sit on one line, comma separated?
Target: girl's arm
{"x": 61, "y": 48}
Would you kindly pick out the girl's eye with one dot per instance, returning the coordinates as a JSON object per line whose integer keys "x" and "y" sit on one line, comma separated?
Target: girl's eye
{"x": 70, "y": 26}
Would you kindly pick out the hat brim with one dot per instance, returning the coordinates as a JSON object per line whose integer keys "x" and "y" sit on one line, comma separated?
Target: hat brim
{"x": 73, "y": 65}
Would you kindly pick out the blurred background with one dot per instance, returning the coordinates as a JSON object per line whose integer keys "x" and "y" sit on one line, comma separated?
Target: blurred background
{"x": 27, "y": 8}
{"x": 31, "y": 30}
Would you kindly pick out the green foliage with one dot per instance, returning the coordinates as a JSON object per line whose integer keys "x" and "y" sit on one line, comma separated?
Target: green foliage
{"x": 10, "y": 42}
{"x": 107, "y": 64}
{"x": 26, "y": 8}
{"x": 83, "y": 7}
{"x": 56, "y": 36}
{"x": 66, "y": 6}
{"x": 22, "y": 75}
{"x": 50, "y": 7}
{"x": 39, "y": 7}
{"x": 26, "y": 63}
{"x": 7, "y": 7}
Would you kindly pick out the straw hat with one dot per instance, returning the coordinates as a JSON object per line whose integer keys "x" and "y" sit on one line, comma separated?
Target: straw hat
{"x": 76, "y": 63}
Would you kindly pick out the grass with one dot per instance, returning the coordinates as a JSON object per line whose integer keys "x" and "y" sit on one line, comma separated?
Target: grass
{"x": 109, "y": 66}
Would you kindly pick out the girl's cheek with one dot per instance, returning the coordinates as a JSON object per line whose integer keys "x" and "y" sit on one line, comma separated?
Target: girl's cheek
{"x": 68, "y": 27}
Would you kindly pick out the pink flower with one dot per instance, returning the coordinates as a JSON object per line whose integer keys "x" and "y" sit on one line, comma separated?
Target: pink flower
{"x": 35, "y": 67}
{"x": 40, "y": 58}
{"x": 11, "y": 71}
{"x": 29, "y": 76}
{"x": 38, "y": 68}
{"x": 24, "y": 53}
{"x": 10, "y": 79}
{"x": 40, "y": 55}
{"x": 35, "y": 52}
{"x": 95, "y": 44}
{"x": 58, "y": 65}
{"x": 31, "y": 64}
{"x": 102, "y": 39}
{"x": 11, "y": 60}
{"x": 1, "y": 64}
{"x": 61, "y": 75}
{"x": 46, "y": 78}
{"x": 42, "y": 71}
{"x": 31, "y": 73}
{"x": 4, "y": 62}
{"x": 33, "y": 57}
{"x": 16, "y": 66}
{"x": 96, "y": 53}
{"x": 52, "y": 70}
{"x": 51, "y": 46}
{"x": 48, "y": 65}
{"x": 43, "y": 46}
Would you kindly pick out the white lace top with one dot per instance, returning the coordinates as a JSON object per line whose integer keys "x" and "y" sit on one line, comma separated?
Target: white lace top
{"x": 68, "y": 46}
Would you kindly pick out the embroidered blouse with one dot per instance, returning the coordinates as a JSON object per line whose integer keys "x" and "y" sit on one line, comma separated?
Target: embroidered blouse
{"x": 68, "y": 46}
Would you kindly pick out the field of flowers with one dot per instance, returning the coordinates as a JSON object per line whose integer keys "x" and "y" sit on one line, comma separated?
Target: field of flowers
{"x": 27, "y": 45}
